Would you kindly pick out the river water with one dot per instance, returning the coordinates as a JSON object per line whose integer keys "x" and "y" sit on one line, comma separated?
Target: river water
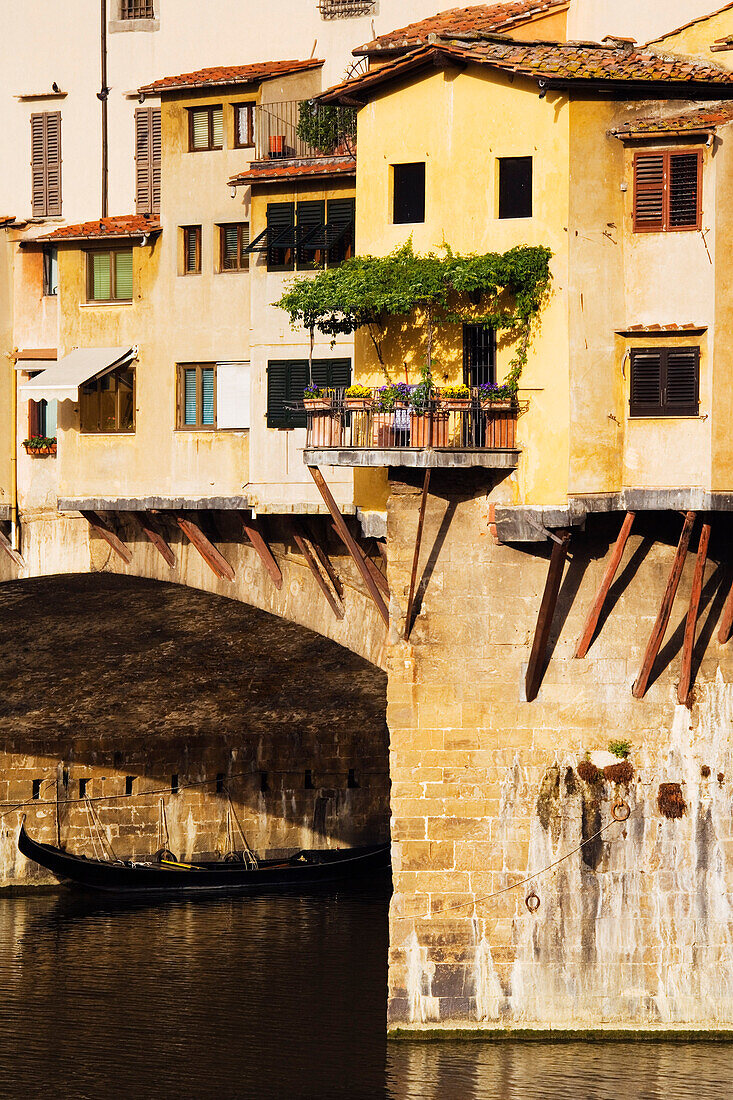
{"x": 280, "y": 997}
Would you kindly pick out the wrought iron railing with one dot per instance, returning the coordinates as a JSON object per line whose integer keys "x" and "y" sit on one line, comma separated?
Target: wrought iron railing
{"x": 299, "y": 129}
{"x": 356, "y": 423}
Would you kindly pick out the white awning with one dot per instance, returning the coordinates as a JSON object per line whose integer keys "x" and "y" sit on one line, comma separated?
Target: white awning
{"x": 61, "y": 380}
{"x": 34, "y": 364}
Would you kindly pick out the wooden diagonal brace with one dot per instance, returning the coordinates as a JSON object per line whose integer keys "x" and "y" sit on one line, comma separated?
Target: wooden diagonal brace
{"x": 660, "y": 626}
{"x": 326, "y": 563}
{"x": 683, "y": 688}
{"x": 378, "y": 577}
{"x": 102, "y": 528}
{"x": 215, "y": 561}
{"x": 416, "y": 555}
{"x": 7, "y": 546}
{"x": 303, "y": 544}
{"x": 253, "y": 531}
{"x": 726, "y": 623}
{"x": 152, "y": 531}
{"x": 546, "y": 614}
{"x": 350, "y": 543}
{"x": 595, "y": 612}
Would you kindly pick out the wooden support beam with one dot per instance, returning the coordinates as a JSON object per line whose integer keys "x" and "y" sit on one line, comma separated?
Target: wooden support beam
{"x": 215, "y": 561}
{"x": 325, "y": 561}
{"x": 683, "y": 688}
{"x": 253, "y": 531}
{"x": 595, "y": 612}
{"x": 100, "y": 525}
{"x": 536, "y": 664}
{"x": 726, "y": 623}
{"x": 350, "y": 543}
{"x": 7, "y": 546}
{"x": 151, "y": 529}
{"x": 306, "y": 549}
{"x": 382, "y": 549}
{"x": 377, "y": 575}
{"x": 660, "y": 626}
{"x": 416, "y": 555}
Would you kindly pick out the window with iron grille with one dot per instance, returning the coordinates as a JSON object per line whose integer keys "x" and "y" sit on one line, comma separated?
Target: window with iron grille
{"x": 479, "y": 355}
{"x": 665, "y": 382}
{"x": 667, "y": 191}
{"x": 344, "y": 9}
{"x": 137, "y": 9}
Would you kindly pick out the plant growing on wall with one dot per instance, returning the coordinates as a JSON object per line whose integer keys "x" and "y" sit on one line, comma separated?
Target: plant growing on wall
{"x": 503, "y": 290}
{"x": 619, "y": 748}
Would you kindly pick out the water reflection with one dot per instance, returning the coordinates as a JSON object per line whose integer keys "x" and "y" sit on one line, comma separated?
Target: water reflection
{"x": 279, "y": 998}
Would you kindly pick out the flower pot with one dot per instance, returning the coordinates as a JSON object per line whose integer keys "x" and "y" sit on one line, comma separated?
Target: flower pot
{"x": 501, "y": 424}
{"x": 317, "y": 403}
{"x": 429, "y": 429}
{"x": 357, "y": 404}
{"x": 504, "y": 403}
{"x": 383, "y": 432}
{"x": 324, "y": 430}
{"x": 35, "y": 451}
{"x": 277, "y": 145}
{"x": 454, "y": 404}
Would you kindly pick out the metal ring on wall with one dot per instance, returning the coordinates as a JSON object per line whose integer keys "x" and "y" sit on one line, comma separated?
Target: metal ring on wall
{"x": 621, "y": 811}
{"x": 532, "y": 901}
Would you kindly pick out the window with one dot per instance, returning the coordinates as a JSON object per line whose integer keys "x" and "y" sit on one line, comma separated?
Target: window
{"x": 50, "y": 271}
{"x": 147, "y": 160}
{"x": 244, "y": 125}
{"x": 197, "y": 395}
{"x": 311, "y": 233}
{"x": 42, "y": 419}
{"x": 280, "y": 236}
{"x": 515, "y": 187}
{"x": 479, "y": 354}
{"x": 46, "y": 164}
{"x": 205, "y": 128}
{"x": 137, "y": 9}
{"x": 409, "y": 193}
{"x": 667, "y": 191}
{"x": 343, "y": 9}
{"x": 109, "y": 276}
{"x": 324, "y": 234}
{"x": 286, "y": 381}
{"x": 340, "y": 230}
{"x": 107, "y": 404}
{"x": 191, "y": 264}
{"x": 665, "y": 382}
{"x": 233, "y": 245}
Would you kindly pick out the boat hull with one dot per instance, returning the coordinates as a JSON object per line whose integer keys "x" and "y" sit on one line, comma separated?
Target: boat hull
{"x": 308, "y": 870}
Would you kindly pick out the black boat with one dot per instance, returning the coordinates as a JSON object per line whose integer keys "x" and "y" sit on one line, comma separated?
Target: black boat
{"x": 304, "y": 870}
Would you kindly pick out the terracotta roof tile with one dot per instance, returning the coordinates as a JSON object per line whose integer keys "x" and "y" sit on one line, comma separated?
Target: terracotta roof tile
{"x": 692, "y": 23}
{"x": 127, "y": 225}
{"x": 482, "y": 18}
{"x": 658, "y": 329}
{"x": 230, "y": 74}
{"x": 699, "y": 119}
{"x": 552, "y": 62}
{"x": 326, "y": 166}
{"x": 6, "y": 219}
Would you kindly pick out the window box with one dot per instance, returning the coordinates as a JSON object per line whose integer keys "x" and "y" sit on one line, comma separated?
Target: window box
{"x": 40, "y": 446}
{"x": 318, "y": 402}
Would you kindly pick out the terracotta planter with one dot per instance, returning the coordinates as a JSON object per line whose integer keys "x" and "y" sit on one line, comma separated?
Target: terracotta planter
{"x": 503, "y": 405}
{"x": 325, "y": 431}
{"x": 455, "y": 404}
{"x": 429, "y": 429}
{"x": 317, "y": 403}
{"x": 501, "y": 425}
{"x": 357, "y": 404}
{"x": 383, "y": 430}
{"x": 277, "y": 145}
{"x": 40, "y": 450}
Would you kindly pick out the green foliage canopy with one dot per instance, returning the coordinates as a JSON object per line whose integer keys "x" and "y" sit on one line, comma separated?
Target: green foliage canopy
{"x": 503, "y": 290}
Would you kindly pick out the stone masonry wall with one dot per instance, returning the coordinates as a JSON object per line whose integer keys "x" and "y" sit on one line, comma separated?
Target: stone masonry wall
{"x": 633, "y": 930}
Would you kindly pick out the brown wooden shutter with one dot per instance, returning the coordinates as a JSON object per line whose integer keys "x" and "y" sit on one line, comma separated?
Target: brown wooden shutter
{"x": 684, "y": 190}
{"x": 649, "y": 192}
{"x": 147, "y": 160}
{"x": 46, "y": 164}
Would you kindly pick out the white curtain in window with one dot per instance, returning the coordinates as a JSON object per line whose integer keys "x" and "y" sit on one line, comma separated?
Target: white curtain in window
{"x": 233, "y": 384}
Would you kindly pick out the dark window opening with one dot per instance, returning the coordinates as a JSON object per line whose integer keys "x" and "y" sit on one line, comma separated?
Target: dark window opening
{"x": 65, "y": 778}
{"x": 479, "y": 355}
{"x": 137, "y": 9}
{"x": 117, "y": 760}
{"x": 308, "y": 781}
{"x": 408, "y": 182}
{"x": 50, "y": 272}
{"x": 220, "y": 783}
{"x": 286, "y": 381}
{"x": 83, "y": 784}
{"x": 264, "y": 786}
{"x": 37, "y": 788}
{"x": 515, "y": 187}
{"x": 665, "y": 382}
{"x": 351, "y": 782}
{"x": 174, "y": 783}
{"x": 129, "y": 784}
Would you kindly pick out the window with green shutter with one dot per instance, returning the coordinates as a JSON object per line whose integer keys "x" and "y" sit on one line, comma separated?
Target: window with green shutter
{"x": 286, "y": 382}
{"x": 196, "y": 395}
{"x": 311, "y": 217}
{"x": 109, "y": 276}
{"x": 205, "y": 128}
{"x": 280, "y": 236}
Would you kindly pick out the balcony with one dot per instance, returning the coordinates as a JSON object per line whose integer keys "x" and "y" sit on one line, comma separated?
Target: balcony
{"x": 343, "y": 431}
{"x": 301, "y": 130}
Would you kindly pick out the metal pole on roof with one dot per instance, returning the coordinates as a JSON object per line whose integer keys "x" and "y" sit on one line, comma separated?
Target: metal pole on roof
{"x": 102, "y": 97}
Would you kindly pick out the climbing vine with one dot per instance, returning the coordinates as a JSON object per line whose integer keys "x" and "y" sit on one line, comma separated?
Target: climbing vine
{"x": 505, "y": 291}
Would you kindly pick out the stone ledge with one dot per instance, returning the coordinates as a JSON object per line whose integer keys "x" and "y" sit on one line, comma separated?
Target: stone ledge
{"x": 427, "y": 458}
{"x": 146, "y": 504}
{"x": 477, "y": 1032}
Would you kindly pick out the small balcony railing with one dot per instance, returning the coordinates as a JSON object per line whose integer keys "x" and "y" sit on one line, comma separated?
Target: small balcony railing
{"x": 301, "y": 130}
{"x": 450, "y": 424}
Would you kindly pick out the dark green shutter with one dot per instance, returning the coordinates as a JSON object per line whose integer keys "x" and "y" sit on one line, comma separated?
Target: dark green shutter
{"x": 280, "y": 217}
{"x": 340, "y": 229}
{"x": 277, "y": 395}
{"x": 311, "y": 218}
{"x": 297, "y": 381}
